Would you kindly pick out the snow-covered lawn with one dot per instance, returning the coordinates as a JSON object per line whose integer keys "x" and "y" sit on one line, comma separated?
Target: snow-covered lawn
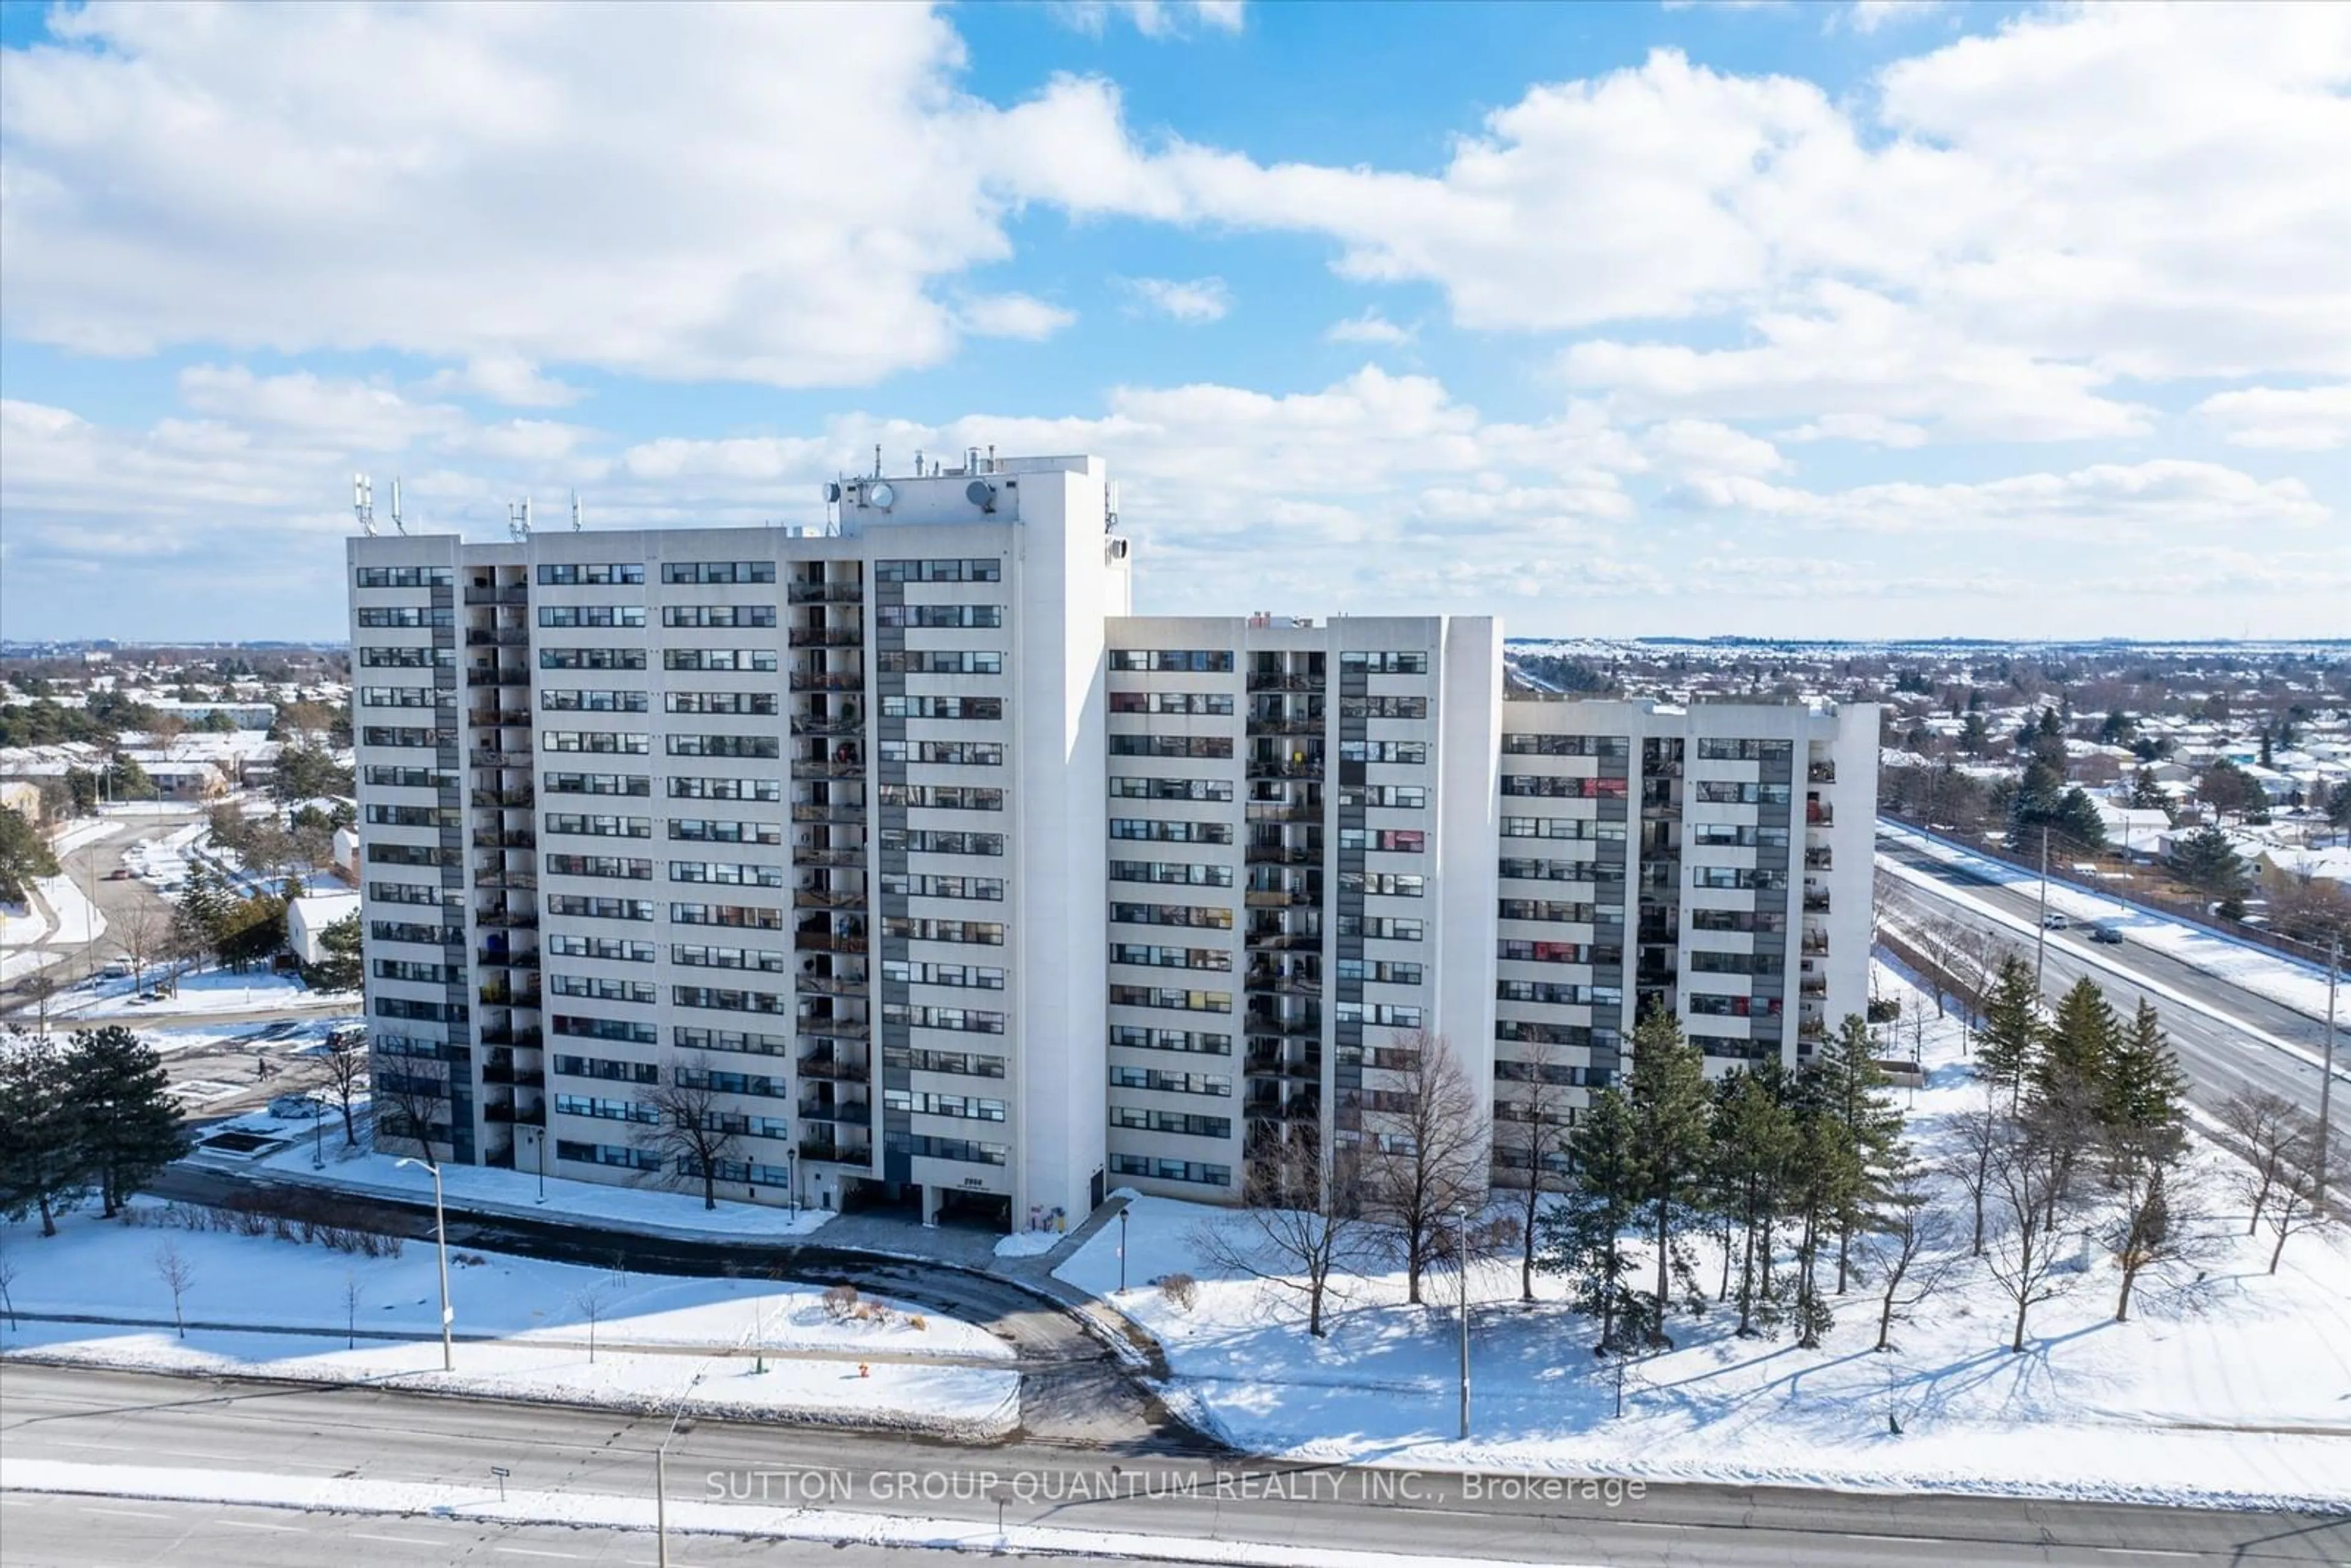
{"x": 480, "y": 1190}
{"x": 2255, "y": 968}
{"x": 660, "y": 1338}
{"x": 204, "y": 991}
{"x": 2228, "y": 1386}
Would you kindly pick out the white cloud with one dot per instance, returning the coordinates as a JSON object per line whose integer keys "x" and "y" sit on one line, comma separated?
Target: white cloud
{"x": 1013, "y": 316}
{"x": 1195, "y": 303}
{"x": 1872, "y": 429}
{"x": 359, "y": 415}
{"x": 679, "y": 194}
{"x": 2300, "y": 419}
{"x": 1153, "y": 19}
{"x": 1371, "y": 327}
{"x": 508, "y": 379}
{"x": 1703, "y": 446}
{"x": 1869, "y": 15}
{"x": 1864, "y": 356}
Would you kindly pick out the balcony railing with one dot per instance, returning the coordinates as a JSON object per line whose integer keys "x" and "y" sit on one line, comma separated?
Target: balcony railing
{"x": 835, "y": 858}
{"x": 825, "y": 637}
{"x": 833, "y": 1068}
{"x": 508, "y": 919}
{"x": 531, "y": 1115}
{"x": 827, "y": 727}
{"x": 1820, "y": 816}
{"x": 849, "y": 1112}
{"x": 512, "y": 593}
{"x": 1260, "y": 682}
{"x": 825, "y": 592}
{"x": 1285, "y": 727}
{"x": 826, "y": 942}
{"x": 830, "y": 984}
{"x": 502, "y": 637}
{"x": 836, "y": 1029}
{"x": 501, "y": 958}
{"x": 838, "y": 812}
{"x": 1820, "y": 773}
{"x": 1817, "y": 857}
{"x": 828, "y": 680}
{"x": 511, "y": 799}
{"x": 829, "y": 898}
{"x": 498, "y": 718}
{"x": 1818, "y": 903}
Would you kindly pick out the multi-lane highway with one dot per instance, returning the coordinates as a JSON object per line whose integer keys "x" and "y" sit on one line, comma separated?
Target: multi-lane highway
{"x": 119, "y": 1422}
{"x": 2221, "y": 1055}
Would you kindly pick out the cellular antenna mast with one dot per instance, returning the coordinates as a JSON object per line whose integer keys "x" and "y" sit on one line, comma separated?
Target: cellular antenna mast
{"x": 518, "y": 519}
{"x": 575, "y": 511}
{"x": 363, "y": 504}
{"x": 400, "y": 527}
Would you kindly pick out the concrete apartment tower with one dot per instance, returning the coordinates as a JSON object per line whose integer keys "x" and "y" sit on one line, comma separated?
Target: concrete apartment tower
{"x": 942, "y": 879}
{"x": 809, "y": 820}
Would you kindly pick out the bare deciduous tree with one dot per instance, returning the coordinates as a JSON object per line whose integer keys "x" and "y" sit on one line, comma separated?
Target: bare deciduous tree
{"x": 1909, "y": 1247}
{"x": 352, "y": 1292}
{"x": 411, "y": 1102}
{"x": 1425, "y": 1152}
{"x": 343, "y": 1066}
{"x": 8, "y": 1279}
{"x": 2152, "y": 1222}
{"x": 1299, "y": 1228}
{"x": 177, "y": 1274}
{"x": 590, "y": 1303}
{"x": 2264, "y": 1127}
{"x": 694, "y": 1137}
{"x": 2294, "y": 1206}
{"x": 141, "y": 931}
{"x": 2027, "y": 1170}
{"x": 1529, "y": 1128}
{"x": 1977, "y": 1135}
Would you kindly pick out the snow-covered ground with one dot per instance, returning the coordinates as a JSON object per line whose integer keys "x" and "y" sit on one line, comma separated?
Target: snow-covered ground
{"x": 479, "y": 1190}
{"x": 2255, "y": 968}
{"x": 660, "y": 1338}
{"x": 201, "y": 992}
{"x": 2228, "y": 1386}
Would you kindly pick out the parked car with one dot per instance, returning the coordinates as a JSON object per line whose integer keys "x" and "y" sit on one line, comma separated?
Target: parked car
{"x": 2108, "y": 935}
{"x": 119, "y": 873}
{"x": 292, "y": 1106}
{"x": 2052, "y": 921}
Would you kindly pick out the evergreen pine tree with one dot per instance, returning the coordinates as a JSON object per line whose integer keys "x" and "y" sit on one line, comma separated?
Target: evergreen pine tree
{"x": 2010, "y": 1039}
{"x": 1666, "y": 1099}
{"x": 130, "y": 1124}
{"x": 2144, "y": 1109}
{"x": 339, "y": 967}
{"x": 1584, "y": 1233}
{"x": 1755, "y": 1150}
{"x": 41, "y": 1164}
{"x": 2077, "y": 1062}
{"x": 201, "y": 916}
{"x": 1853, "y": 1095}
{"x": 1828, "y": 1182}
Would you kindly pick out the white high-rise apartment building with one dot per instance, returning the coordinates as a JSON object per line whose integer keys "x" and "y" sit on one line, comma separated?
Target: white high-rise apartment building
{"x": 812, "y": 823}
{"x": 927, "y": 871}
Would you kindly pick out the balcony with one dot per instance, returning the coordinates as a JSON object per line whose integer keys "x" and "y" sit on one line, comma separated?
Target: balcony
{"x": 503, "y": 637}
{"x": 827, "y": 727}
{"x": 824, "y": 593}
{"x": 826, "y": 942}
{"x": 830, "y": 984}
{"x": 842, "y": 1153}
{"x": 827, "y": 1067}
{"x": 849, "y": 1112}
{"x": 517, "y": 798}
{"x": 1816, "y": 903}
{"x": 507, "y": 919}
{"x": 818, "y": 768}
{"x": 1812, "y": 986}
{"x": 531, "y": 1115}
{"x": 1267, "y": 1027}
{"x": 836, "y": 1029}
{"x": 828, "y": 680}
{"x": 498, "y": 718}
{"x": 519, "y": 1077}
{"x": 840, "y": 811}
{"x": 1276, "y": 898}
{"x": 1288, "y": 984}
{"x": 1285, "y": 727}
{"x": 1820, "y": 773}
{"x": 825, "y": 637}
{"x": 1817, "y": 857}
{"x": 512, "y": 593}
{"x": 1278, "y": 941}
{"x": 510, "y": 839}
{"x": 1285, "y": 813}
{"x": 829, "y": 898}
{"x": 501, "y": 958}
{"x": 1266, "y": 680}
{"x": 511, "y": 881}
{"x": 1259, "y": 767}
{"x": 1280, "y": 855}
{"x": 499, "y": 757}
{"x": 853, "y": 859}
{"x": 1274, "y": 1064}
{"x": 1819, "y": 816}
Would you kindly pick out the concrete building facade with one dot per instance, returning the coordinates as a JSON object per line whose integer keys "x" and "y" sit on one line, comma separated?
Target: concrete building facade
{"x": 901, "y": 855}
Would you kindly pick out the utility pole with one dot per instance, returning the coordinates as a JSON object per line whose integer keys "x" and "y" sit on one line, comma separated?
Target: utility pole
{"x": 2327, "y": 1074}
{"x": 1461, "y": 1261}
{"x": 2041, "y": 938}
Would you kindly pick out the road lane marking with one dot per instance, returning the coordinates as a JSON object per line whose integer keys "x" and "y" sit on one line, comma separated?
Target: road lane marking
{"x": 398, "y": 1540}
{"x": 126, "y": 1513}
{"x": 249, "y": 1524}
{"x": 532, "y": 1552}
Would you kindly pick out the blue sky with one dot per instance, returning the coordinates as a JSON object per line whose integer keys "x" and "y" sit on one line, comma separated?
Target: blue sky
{"x": 1821, "y": 320}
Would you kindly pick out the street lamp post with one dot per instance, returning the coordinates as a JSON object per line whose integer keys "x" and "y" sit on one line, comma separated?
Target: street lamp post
{"x": 2326, "y": 1076}
{"x": 1461, "y": 1259}
{"x": 318, "y": 1134}
{"x": 441, "y": 1244}
{"x": 792, "y": 1182}
{"x": 2041, "y": 938}
{"x": 661, "y": 1477}
{"x": 540, "y": 1140}
{"x": 1121, "y": 1251}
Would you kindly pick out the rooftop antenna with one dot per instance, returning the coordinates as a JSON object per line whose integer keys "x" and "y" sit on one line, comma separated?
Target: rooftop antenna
{"x": 877, "y": 460}
{"x": 396, "y": 521}
{"x": 518, "y": 519}
{"x": 575, "y": 511}
{"x": 363, "y": 503}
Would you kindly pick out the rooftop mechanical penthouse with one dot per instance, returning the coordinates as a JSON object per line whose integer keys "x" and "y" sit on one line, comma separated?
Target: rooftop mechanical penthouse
{"x": 923, "y": 872}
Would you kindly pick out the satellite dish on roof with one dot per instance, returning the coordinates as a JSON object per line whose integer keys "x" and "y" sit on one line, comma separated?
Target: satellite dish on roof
{"x": 980, "y": 494}
{"x": 831, "y": 491}
{"x": 881, "y": 496}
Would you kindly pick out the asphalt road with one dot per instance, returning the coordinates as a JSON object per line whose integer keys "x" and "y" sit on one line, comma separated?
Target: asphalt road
{"x": 2221, "y": 1060}
{"x": 130, "y": 1419}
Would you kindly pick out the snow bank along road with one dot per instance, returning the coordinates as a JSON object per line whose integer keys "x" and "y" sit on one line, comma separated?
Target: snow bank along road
{"x": 1072, "y": 1388}
{"x": 2221, "y": 1059}
{"x": 110, "y": 1430}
